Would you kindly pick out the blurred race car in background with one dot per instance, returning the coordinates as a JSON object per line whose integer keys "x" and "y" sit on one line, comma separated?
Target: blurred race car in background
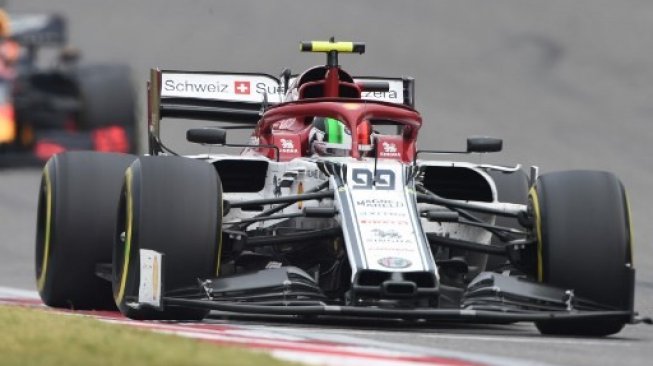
{"x": 62, "y": 106}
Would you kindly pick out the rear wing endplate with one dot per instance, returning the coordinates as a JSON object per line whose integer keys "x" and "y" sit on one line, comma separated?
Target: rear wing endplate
{"x": 38, "y": 29}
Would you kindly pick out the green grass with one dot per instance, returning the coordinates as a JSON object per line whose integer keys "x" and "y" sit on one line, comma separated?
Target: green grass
{"x": 35, "y": 337}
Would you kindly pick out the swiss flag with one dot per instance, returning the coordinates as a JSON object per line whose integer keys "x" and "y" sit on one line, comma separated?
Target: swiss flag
{"x": 241, "y": 87}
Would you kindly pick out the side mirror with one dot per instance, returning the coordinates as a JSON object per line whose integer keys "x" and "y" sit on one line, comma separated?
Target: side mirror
{"x": 207, "y": 136}
{"x": 69, "y": 55}
{"x": 483, "y": 144}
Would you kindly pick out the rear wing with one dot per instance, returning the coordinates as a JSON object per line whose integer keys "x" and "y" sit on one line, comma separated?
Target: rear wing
{"x": 400, "y": 90}
{"x": 212, "y": 96}
{"x": 391, "y": 90}
{"x": 241, "y": 97}
{"x": 32, "y": 30}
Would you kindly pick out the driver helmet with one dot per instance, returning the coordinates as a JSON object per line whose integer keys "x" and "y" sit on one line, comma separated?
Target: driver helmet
{"x": 333, "y": 137}
{"x": 329, "y": 137}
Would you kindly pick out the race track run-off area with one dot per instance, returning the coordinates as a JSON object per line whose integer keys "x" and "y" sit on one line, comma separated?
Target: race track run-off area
{"x": 303, "y": 347}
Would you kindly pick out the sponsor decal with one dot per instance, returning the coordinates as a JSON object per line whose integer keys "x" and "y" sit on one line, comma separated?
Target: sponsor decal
{"x": 288, "y": 147}
{"x": 394, "y": 262}
{"x": 364, "y": 179}
{"x": 379, "y": 203}
{"x": 387, "y": 237}
{"x": 287, "y": 144}
{"x": 395, "y": 93}
{"x": 384, "y": 222}
{"x": 235, "y": 87}
{"x": 263, "y": 88}
{"x": 380, "y": 214}
{"x": 287, "y": 124}
{"x": 389, "y": 150}
{"x": 194, "y": 87}
{"x": 386, "y": 233}
{"x": 241, "y": 87}
{"x": 149, "y": 290}
{"x": 389, "y": 147}
{"x": 382, "y": 95}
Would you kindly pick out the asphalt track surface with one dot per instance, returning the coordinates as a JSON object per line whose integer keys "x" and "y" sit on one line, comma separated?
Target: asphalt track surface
{"x": 567, "y": 85}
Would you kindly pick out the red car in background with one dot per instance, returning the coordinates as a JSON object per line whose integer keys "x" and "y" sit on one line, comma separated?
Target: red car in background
{"x": 71, "y": 106}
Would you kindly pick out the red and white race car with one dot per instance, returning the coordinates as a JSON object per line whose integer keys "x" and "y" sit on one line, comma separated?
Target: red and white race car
{"x": 329, "y": 210}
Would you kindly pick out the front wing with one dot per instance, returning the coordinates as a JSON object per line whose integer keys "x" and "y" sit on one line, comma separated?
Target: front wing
{"x": 444, "y": 315}
{"x": 287, "y": 291}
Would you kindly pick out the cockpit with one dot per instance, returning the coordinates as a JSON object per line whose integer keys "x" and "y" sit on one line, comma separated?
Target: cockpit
{"x": 332, "y": 137}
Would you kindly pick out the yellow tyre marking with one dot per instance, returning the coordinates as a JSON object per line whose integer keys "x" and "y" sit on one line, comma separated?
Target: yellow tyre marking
{"x": 48, "y": 225}
{"x": 217, "y": 267}
{"x": 538, "y": 227}
{"x": 630, "y": 230}
{"x": 128, "y": 235}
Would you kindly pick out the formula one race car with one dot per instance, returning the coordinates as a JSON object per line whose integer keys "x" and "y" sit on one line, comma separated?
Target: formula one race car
{"x": 329, "y": 210}
{"x": 44, "y": 111}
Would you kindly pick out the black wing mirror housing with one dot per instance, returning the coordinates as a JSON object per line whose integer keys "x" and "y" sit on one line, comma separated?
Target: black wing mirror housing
{"x": 207, "y": 136}
{"x": 484, "y": 144}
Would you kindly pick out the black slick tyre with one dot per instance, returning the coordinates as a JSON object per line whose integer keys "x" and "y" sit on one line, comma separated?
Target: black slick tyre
{"x": 171, "y": 205}
{"x": 107, "y": 96}
{"x": 582, "y": 224}
{"x": 108, "y": 105}
{"x": 78, "y": 200}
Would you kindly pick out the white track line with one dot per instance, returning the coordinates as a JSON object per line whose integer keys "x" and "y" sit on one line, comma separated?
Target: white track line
{"x": 18, "y": 293}
{"x": 502, "y": 338}
{"x": 544, "y": 339}
{"x": 349, "y": 336}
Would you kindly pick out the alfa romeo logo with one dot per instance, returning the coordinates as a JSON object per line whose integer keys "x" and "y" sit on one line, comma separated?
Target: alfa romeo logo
{"x": 394, "y": 262}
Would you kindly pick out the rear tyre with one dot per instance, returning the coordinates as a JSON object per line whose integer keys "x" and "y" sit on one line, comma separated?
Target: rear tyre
{"x": 584, "y": 244}
{"x": 76, "y": 220}
{"x": 171, "y": 205}
{"x": 107, "y": 96}
{"x": 108, "y": 106}
{"x": 511, "y": 187}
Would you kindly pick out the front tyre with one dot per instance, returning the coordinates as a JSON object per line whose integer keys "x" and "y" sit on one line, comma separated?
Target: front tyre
{"x": 582, "y": 224}
{"x": 76, "y": 219}
{"x": 171, "y": 205}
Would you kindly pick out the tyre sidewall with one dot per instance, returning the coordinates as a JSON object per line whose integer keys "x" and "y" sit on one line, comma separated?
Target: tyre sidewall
{"x": 81, "y": 188}
{"x": 176, "y": 211}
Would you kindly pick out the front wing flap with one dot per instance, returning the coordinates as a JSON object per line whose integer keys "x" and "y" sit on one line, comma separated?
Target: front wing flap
{"x": 444, "y": 315}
